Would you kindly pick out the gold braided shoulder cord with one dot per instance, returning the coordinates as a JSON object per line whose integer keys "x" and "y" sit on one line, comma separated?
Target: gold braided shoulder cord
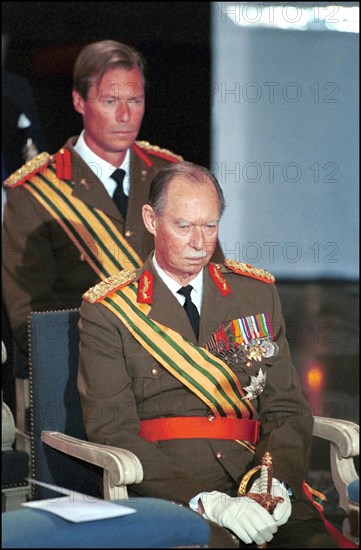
{"x": 114, "y": 282}
{"x": 157, "y": 149}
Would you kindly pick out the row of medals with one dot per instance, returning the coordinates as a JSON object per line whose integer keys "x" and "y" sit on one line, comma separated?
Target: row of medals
{"x": 255, "y": 350}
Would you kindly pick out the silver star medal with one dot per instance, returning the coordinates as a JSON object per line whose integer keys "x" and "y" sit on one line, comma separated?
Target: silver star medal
{"x": 256, "y": 386}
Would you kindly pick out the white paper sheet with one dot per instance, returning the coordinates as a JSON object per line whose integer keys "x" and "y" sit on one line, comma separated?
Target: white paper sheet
{"x": 78, "y": 507}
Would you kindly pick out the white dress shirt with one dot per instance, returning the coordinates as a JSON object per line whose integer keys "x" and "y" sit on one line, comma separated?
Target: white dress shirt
{"x": 101, "y": 167}
{"x": 174, "y": 286}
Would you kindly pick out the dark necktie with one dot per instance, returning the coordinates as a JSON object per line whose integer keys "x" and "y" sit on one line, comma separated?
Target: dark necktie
{"x": 190, "y": 308}
{"x": 119, "y": 197}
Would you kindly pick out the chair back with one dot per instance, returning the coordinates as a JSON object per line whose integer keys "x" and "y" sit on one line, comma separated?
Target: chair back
{"x": 55, "y": 403}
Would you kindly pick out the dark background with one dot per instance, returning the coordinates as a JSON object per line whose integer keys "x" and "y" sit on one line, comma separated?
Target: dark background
{"x": 45, "y": 38}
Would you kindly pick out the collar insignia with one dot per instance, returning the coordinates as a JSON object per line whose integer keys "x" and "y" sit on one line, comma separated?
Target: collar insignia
{"x": 145, "y": 288}
{"x": 219, "y": 280}
{"x": 63, "y": 164}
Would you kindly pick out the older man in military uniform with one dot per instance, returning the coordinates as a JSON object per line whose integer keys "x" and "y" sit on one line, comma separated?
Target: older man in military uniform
{"x": 185, "y": 362}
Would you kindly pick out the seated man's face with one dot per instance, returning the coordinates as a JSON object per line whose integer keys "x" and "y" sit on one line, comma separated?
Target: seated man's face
{"x": 186, "y": 232}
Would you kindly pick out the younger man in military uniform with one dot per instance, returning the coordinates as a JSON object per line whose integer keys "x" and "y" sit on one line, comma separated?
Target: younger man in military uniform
{"x": 63, "y": 230}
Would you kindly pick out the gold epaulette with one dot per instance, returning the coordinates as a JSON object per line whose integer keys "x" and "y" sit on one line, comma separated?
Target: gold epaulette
{"x": 250, "y": 271}
{"x": 115, "y": 282}
{"x": 27, "y": 170}
{"x": 158, "y": 151}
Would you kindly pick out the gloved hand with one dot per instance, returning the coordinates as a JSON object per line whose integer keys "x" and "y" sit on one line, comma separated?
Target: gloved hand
{"x": 242, "y": 515}
{"x": 283, "y": 509}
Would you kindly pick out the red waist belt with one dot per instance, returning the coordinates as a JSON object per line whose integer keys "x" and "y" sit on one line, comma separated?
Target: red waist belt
{"x": 194, "y": 427}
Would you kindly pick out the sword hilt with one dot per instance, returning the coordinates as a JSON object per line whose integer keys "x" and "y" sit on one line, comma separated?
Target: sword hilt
{"x": 264, "y": 498}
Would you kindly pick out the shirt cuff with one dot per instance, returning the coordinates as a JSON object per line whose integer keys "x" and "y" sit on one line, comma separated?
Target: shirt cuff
{"x": 193, "y": 503}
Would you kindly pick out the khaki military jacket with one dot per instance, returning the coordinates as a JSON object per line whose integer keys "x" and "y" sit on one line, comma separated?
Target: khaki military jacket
{"x": 42, "y": 269}
{"x": 120, "y": 383}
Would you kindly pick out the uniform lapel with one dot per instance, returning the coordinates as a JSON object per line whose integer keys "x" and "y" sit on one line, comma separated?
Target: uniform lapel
{"x": 88, "y": 187}
{"x": 215, "y": 308}
{"x": 141, "y": 175}
{"x": 166, "y": 309}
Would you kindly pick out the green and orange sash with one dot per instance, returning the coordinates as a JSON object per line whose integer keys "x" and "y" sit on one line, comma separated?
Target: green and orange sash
{"x": 93, "y": 233}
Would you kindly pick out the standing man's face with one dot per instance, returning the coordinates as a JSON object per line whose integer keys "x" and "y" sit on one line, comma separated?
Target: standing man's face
{"x": 112, "y": 113}
{"x": 186, "y": 233}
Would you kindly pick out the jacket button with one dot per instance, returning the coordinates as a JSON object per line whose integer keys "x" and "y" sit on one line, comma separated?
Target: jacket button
{"x": 219, "y": 454}
{"x": 211, "y": 417}
{"x": 128, "y": 233}
{"x": 154, "y": 371}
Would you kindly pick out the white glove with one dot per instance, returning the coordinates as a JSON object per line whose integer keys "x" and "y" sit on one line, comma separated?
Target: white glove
{"x": 283, "y": 509}
{"x": 242, "y": 515}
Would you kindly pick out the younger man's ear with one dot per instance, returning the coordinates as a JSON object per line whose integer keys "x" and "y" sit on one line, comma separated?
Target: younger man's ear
{"x": 78, "y": 102}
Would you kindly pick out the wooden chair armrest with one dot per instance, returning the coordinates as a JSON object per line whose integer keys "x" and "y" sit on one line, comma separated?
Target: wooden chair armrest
{"x": 344, "y": 437}
{"x": 121, "y": 467}
{"x": 343, "y": 433}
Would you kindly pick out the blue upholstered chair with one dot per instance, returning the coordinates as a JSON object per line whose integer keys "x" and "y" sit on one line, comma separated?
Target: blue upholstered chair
{"x": 60, "y": 453}
{"x": 156, "y": 524}
{"x": 62, "y": 456}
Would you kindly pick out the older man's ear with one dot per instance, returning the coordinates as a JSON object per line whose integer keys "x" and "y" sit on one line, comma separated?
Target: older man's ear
{"x": 149, "y": 218}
